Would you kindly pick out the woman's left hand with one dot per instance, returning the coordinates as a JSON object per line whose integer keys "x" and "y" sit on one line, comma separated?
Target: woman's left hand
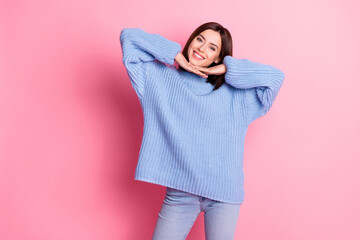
{"x": 215, "y": 70}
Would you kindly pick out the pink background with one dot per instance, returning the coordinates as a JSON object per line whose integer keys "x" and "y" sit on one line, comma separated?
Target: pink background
{"x": 71, "y": 124}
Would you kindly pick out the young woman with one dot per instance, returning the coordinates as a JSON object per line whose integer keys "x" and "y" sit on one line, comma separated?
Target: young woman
{"x": 195, "y": 121}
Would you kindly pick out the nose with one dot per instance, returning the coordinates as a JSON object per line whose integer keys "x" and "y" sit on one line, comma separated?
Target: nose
{"x": 202, "y": 48}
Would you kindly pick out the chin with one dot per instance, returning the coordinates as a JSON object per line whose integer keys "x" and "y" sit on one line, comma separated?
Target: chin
{"x": 197, "y": 64}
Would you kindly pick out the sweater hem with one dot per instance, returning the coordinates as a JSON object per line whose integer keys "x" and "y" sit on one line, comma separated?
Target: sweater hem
{"x": 152, "y": 181}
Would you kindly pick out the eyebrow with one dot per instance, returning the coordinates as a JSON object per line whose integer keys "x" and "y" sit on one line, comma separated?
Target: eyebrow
{"x": 210, "y": 43}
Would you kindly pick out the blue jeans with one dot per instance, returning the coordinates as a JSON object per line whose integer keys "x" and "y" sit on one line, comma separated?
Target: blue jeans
{"x": 180, "y": 210}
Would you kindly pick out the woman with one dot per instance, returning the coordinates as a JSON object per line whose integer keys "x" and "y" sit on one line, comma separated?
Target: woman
{"x": 195, "y": 121}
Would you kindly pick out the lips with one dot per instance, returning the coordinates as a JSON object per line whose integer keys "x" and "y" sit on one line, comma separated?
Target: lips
{"x": 198, "y": 56}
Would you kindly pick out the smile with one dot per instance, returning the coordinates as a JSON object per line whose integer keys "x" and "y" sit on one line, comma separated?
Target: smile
{"x": 197, "y": 56}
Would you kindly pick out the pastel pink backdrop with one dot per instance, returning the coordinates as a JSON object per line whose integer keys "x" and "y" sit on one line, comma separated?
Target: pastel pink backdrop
{"x": 71, "y": 124}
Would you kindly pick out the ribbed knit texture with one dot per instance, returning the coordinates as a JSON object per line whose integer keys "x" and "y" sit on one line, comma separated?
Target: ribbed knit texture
{"x": 193, "y": 138}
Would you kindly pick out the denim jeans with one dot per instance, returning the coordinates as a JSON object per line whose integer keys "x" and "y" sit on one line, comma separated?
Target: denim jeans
{"x": 180, "y": 210}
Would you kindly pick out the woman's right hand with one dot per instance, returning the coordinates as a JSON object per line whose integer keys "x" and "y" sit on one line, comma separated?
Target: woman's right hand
{"x": 181, "y": 60}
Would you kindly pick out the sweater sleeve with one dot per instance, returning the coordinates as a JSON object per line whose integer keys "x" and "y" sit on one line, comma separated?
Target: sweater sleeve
{"x": 261, "y": 82}
{"x": 140, "y": 47}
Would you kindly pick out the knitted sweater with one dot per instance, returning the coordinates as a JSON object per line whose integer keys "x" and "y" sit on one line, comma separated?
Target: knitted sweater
{"x": 193, "y": 136}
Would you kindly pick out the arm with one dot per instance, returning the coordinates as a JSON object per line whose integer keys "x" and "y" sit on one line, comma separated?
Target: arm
{"x": 139, "y": 48}
{"x": 261, "y": 82}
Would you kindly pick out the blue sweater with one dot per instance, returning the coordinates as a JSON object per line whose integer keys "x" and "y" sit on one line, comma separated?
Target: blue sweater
{"x": 193, "y": 137}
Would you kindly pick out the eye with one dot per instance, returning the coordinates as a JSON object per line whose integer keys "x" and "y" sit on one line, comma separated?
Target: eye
{"x": 212, "y": 48}
{"x": 199, "y": 39}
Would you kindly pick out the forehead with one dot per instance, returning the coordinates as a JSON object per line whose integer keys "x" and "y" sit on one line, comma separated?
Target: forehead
{"x": 212, "y": 36}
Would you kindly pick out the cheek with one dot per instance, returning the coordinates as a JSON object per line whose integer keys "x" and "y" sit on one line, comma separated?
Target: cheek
{"x": 191, "y": 46}
{"x": 189, "y": 50}
{"x": 212, "y": 56}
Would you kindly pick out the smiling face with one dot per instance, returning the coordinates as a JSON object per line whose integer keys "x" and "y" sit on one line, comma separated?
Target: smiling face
{"x": 205, "y": 48}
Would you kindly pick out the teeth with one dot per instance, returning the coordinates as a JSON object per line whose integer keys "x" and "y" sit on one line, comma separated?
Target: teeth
{"x": 198, "y": 55}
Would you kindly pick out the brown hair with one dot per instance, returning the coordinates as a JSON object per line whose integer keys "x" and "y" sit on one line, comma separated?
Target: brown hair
{"x": 226, "y": 49}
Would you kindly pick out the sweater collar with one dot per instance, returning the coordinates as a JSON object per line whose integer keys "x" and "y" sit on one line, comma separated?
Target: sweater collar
{"x": 197, "y": 84}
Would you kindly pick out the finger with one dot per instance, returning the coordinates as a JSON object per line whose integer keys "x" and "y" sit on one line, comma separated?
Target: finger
{"x": 201, "y": 74}
{"x": 194, "y": 70}
{"x": 202, "y": 69}
{"x": 190, "y": 69}
{"x": 198, "y": 72}
{"x": 194, "y": 66}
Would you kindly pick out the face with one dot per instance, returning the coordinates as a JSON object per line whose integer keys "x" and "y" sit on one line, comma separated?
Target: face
{"x": 205, "y": 48}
